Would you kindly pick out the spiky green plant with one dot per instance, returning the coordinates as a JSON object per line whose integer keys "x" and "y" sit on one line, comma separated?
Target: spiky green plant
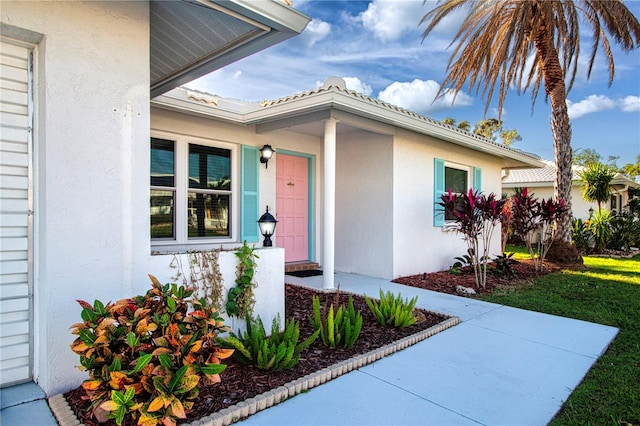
{"x": 279, "y": 351}
{"x": 337, "y": 327}
{"x": 393, "y": 311}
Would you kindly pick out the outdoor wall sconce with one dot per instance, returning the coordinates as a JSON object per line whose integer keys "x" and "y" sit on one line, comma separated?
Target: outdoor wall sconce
{"x": 267, "y": 224}
{"x": 266, "y": 152}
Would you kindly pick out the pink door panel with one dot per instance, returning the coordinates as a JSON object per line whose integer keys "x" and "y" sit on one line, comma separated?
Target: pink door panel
{"x": 292, "y": 206}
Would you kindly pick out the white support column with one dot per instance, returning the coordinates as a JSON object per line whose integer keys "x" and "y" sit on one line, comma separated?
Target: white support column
{"x": 329, "y": 211}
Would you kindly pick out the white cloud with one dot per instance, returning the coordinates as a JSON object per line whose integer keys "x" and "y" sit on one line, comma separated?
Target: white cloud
{"x": 354, "y": 83}
{"x": 237, "y": 75}
{"x": 419, "y": 95}
{"x": 316, "y": 31}
{"x": 591, "y": 104}
{"x": 389, "y": 19}
{"x": 630, "y": 104}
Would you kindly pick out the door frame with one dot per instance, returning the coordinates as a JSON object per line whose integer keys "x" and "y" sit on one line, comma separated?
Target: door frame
{"x": 310, "y": 198}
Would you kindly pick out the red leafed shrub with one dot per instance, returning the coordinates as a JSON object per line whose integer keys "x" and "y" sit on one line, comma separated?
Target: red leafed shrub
{"x": 534, "y": 221}
{"x": 476, "y": 216}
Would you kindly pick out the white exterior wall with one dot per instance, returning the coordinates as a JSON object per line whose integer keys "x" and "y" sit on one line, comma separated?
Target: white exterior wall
{"x": 91, "y": 154}
{"x": 364, "y": 207}
{"x": 269, "y": 277}
{"x": 579, "y": 206}
{"x": 418, "y": 246}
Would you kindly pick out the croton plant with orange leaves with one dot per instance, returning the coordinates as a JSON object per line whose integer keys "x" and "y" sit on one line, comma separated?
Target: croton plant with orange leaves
{"x": 148, "y": 355}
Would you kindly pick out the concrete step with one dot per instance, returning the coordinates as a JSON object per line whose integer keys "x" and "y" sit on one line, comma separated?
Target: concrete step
{"x": 300, "y": 266}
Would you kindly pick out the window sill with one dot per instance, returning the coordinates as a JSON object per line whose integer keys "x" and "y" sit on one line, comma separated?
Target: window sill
{"x": 450, "y": 226}
{"x": 171, "y": 247}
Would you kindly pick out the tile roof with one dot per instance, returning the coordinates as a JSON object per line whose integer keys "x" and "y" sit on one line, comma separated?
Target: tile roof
{"x": 517, "y": 177}
{"x": 544, "y": 174}
{"x": 336, "y": 84}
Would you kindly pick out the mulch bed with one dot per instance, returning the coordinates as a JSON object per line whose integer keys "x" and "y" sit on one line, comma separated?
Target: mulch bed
{"x": 446, "y": 282}
{"x": 240, "y": 382}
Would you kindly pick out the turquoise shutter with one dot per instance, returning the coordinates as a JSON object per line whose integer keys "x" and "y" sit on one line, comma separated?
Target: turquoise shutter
{"x": 438, "y": 191}
{"x": 249, "y": 207}
{"x": 477, "y": 179}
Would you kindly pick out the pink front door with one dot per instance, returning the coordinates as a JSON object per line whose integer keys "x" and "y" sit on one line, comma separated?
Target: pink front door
{"x": 292, "y": 206}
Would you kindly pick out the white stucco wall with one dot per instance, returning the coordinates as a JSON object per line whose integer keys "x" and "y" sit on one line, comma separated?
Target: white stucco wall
{"x": 579, "y": 206}
{"x": 418, "y": 246}
{"x": 91, "y": 153}
{"x": 364, "y": 207}
{"x": 269, "y": 277}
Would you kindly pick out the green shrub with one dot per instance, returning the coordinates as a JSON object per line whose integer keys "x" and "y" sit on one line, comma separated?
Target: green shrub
{"x": 337, "y": 328}
{"x": 147, "y": 355}
{"x": 625, "y": 232}
{"x": 279, "y": 351}
{"x": 240, "y": 299}
{"x": 392, "y": 311}
{"x": 600, "y": 227}
{"x": 503, "y": 265}
{"x": 581, "y": 235}
{"x": 462, "y": 264}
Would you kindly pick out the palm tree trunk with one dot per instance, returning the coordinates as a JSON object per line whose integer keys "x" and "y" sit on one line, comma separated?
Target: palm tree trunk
{"x": 553, "y": 75}
{"x": 561, "y": 130}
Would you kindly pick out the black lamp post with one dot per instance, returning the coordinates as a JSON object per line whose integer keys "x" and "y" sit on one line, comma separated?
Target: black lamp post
{"x": 267, "y": 224}
{"x": 266, "y": 152}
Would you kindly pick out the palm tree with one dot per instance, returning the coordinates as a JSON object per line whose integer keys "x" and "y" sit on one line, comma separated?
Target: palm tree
{"x": 498, "y": 37}
{"x": 596, "y": 182}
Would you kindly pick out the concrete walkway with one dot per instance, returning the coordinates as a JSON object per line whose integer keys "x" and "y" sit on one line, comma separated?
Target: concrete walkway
{"x": 500, "y": 366}
{"x": 24, "y": 405}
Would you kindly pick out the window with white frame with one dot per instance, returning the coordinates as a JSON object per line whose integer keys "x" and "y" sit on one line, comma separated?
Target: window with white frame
{"x": 191, "y": 190}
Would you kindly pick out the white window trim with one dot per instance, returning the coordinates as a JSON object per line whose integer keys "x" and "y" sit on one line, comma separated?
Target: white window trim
{"x": 181, "y": 241}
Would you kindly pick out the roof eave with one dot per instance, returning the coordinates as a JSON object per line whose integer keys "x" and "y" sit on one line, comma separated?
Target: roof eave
{"x": 411, "y": 121}
{"x": 282, "y": 21}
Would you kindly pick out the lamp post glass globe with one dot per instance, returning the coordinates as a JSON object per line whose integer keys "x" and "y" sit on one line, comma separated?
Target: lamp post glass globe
{"x": 266, "y": 152}
{"x": 267, "y": 224}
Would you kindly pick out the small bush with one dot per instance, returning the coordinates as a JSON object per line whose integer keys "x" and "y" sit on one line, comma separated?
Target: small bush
{"x": 581, "y": 235}
{"x": 392, "y": 311}
{"x": 600, "y": 227}
{"x": 279, "y": 351}
{"x": 147, "y": 355}
{"x": 462, "y": 264}
{"x": 504, "y": 265}
{"x": 625, "y": 232}
{"x": 337, "y": 328}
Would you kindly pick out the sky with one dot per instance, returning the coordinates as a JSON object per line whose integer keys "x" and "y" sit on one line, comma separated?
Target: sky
{"x": 378, "y": 48}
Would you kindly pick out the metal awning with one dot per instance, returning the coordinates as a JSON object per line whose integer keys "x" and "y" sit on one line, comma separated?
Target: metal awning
{"x": 191, "y": 38}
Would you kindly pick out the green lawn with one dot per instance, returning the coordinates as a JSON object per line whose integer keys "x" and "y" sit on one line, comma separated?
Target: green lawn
{"x": 607, "y": 292}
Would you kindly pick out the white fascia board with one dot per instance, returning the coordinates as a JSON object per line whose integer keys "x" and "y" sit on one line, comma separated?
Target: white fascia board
{"x": 272, "y": 13}
{"x": 349, "y": 103}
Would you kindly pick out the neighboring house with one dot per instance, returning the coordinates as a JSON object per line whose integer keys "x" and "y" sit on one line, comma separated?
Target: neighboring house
{"x": 540, "y": 183}
{"x": 76, "y": 83}
{"x": 354, "y": 181}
